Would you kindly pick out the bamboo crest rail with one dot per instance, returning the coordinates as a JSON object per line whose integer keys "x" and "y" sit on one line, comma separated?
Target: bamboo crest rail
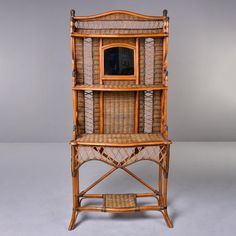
{"x": 119, "y": 90}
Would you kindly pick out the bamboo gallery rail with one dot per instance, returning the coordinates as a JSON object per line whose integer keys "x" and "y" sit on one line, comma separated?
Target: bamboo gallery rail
{"x": 119, "y": 88}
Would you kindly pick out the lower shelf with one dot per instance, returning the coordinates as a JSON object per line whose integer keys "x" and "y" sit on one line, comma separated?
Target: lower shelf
{"x": 120, "y": 203}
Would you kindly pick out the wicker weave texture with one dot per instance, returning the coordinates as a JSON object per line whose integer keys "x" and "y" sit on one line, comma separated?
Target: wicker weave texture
{"x": 119, "y": 200}
{"x": 143, "y": 138}
{"x": 119, "y": 112}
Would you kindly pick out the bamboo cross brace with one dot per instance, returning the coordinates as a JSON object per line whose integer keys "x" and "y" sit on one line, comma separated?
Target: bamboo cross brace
{"x": 110, "y": 172}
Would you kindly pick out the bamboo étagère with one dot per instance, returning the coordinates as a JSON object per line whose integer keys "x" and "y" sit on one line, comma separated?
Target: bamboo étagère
{"x": 119, "y": 88}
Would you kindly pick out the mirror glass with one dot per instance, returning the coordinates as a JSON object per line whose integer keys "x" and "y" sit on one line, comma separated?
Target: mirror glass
{"x": 119, "y": 61}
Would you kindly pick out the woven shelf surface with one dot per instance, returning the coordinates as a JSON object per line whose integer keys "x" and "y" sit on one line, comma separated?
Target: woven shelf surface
{"x": 119, "y": 200}
{"x": 140, "y": 139}
{"x": 129, "y": 87}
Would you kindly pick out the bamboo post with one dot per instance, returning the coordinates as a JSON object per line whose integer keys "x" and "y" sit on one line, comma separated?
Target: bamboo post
{"x": 165, "y": 180}
{"x": 74, "y": 75}
{"x": 164, "y": 129}
{"x": 75, "y": 185}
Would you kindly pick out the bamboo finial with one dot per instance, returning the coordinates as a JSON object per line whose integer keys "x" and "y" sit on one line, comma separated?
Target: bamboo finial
{"x": 72, "y": 12}
{"x": 165, "y": 12}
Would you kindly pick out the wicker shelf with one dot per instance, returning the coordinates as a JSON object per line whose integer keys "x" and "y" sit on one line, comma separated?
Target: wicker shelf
{"x": 141, "y": 87}
{"x": 121, "y": 140}
{"x": 118, "y": 203}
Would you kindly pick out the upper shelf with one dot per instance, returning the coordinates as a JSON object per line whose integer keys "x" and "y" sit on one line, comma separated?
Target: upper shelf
{"x": 141, "y": 87}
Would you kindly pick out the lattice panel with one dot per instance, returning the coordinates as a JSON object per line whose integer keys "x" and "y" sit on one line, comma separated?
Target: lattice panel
{"x": 148, "y": 111}
{"x": 88, "y": 96}
{"x": 114, "y": 24}
{"x": 88, "y": 79}
{"x": 123, "y": 157}
{"x": 148, "y": 95}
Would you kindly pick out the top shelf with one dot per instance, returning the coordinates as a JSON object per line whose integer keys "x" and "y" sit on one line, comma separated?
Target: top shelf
{"x": 140, "y": 87}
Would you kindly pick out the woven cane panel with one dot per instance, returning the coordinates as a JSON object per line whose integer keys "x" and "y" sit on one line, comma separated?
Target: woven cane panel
{"x": 119, "y": 112}
{"x": 88, "y": 61}
{"x": 88, "y": 79}
{"x": 156, "y": 111}
{"x": 79, "y": 60}
{"x": 141, "y": 113}
{"x": 119, "y": 139}
{"x": 142, "y": 61}
{"x": 118, "y": 31}
{"x": 158, "y": 53}
{"x": 119, "y": 82}
{"x": 81, "y": 112}
{"x": 119, "y": 200}
{"x": 96, "y": 61}
{"x": 149, "y": 74}
{"x": 96, "y": 113}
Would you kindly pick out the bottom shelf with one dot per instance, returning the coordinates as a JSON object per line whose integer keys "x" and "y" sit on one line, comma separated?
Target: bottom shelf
{"x": 120, "y": 203}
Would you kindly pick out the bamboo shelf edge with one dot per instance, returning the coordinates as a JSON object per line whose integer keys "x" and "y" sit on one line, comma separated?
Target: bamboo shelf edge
{"x": 121, "y": 210}
{"x": 121, "y": 140}
{"x": 75, "y": 142}
{"x": 118, "y": 35}
{"x": 141, "y": 16}
{"x": 119, "y": 88}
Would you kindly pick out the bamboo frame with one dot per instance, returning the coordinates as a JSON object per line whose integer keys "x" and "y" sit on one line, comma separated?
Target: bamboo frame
{"x": 83, "y": 150}
{"x": 120, "y": 77}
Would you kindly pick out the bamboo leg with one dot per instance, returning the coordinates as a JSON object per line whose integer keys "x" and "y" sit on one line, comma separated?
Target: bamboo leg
{"x": 165, "y": 180}
{"x": 75, "y": 186}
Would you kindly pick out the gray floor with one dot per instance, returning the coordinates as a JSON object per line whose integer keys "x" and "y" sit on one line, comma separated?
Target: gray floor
{"x": 35, "y": 197}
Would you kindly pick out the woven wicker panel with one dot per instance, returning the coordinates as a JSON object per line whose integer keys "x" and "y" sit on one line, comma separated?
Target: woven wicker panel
{"x": 81, "y": 112}
{"x": 88, "y": 79}
{"x": 149, "y": 74}
{"x": 121, "y": 138}
{"x": 119, "y": 112}
{"x": 158, "y": 53}
{"x": 141, "y": 112}
{"x": 96, "y": 113}
{"x": 79, "y": 60}
{"x": 119, "y": 200}
{"x": 118, "y": 31}
{"x": 156, "y": 111}
{"x": 142, "y": 61}
{"x": 96, "y": 61}
{"x": 118, "y": 82}
{"x": 131, "y": 41}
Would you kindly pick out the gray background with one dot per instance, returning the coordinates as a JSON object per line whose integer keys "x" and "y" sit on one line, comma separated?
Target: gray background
{"x": 35, "y": 67}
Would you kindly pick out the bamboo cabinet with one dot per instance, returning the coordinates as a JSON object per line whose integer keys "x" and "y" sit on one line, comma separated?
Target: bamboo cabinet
{"x": 119, "y": 87}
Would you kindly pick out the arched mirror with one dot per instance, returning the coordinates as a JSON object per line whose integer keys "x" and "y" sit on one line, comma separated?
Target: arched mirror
{"x": 118, "y": 61}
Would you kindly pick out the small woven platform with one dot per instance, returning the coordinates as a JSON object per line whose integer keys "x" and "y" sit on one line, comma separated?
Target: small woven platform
{"x": 119, "y": 200}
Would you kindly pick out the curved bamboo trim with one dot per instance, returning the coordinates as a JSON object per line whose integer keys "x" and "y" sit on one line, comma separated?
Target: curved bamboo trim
{"x": 123, "y": 45}
{"x": 119, "y": 35}
{"x": 91, "y": 17}
{"x": 120, "y": 88}
{"x": 76, "y": 142}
